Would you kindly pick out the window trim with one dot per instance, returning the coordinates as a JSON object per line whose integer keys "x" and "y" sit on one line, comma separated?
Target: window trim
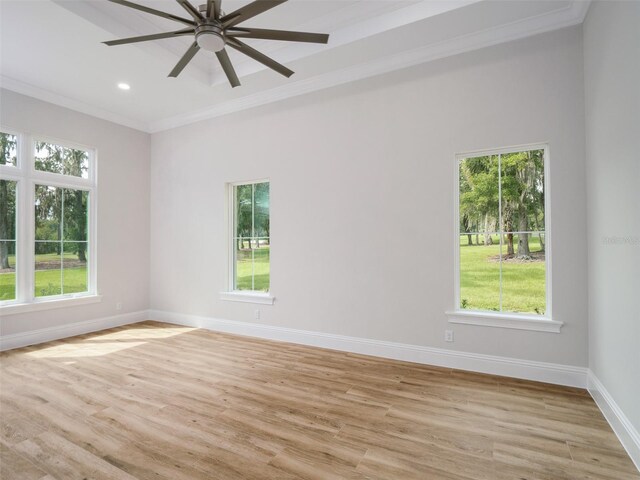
{"x": 231, "y": 294}
{"x": 543, "y": 323}
{"x": 27, "y": 177}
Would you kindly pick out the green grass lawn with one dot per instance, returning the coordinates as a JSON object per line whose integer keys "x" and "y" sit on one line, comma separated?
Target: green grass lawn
{"x": 260, "y": 270}
{"x": 73, "y": 280}
{"x": 523, "y": 284}
{"x": 48, "y": 282}
{"x": 523, "y": 288}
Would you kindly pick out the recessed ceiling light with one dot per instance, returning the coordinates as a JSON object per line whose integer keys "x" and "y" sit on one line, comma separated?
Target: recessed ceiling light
{"x": 124, "y": 86}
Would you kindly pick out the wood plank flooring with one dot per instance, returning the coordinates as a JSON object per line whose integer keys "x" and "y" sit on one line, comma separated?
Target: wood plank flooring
{"x": 157, "y": 401}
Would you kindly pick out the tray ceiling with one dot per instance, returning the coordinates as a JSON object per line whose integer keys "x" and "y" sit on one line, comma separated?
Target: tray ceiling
{"x": 60, "y": 57}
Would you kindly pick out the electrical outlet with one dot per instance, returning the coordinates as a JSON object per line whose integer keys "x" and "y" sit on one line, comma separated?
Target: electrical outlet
{"x": 448, "y": 335}
{"x": 257, "y": 314}
{"x": 119, "y": 306}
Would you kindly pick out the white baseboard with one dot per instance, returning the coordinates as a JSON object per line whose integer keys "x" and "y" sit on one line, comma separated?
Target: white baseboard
{"x": 625, "y": 431}
{"x": 33, "y": 337}
{"x": 509, "y": 367}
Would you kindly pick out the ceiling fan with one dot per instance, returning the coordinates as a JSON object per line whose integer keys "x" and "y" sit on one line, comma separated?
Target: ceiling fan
{"x": 212, "y": 30}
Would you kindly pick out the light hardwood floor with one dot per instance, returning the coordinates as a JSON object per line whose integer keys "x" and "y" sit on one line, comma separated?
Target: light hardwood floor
{"x": 157, "y": 401}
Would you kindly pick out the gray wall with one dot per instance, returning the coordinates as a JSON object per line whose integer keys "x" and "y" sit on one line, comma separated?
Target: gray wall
{"x": 123, "y": 208}
{"x": 362, "y": 190}
{"x": 612, "y": 89}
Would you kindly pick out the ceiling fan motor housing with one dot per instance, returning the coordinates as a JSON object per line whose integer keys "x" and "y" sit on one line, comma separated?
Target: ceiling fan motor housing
{"x": 209, "y": 37}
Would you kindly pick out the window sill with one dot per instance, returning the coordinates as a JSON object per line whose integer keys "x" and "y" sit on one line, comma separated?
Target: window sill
{"x": 505, "y": 320}
{"x": 12, "y": 308}
{"x": 248, "y": 297}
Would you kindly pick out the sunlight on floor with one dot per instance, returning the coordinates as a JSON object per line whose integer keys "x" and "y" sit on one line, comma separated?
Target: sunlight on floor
{"x": 85, "y": 349}
{"x": 143, "y": 333}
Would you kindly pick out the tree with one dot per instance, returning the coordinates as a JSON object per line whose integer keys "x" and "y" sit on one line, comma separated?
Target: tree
{"x": 61, "y": 214}
{"x": 520, "y": 180}
{"x": 252, "y": 213}
{"x": 7, "y": 201}
{"x": 522, "y": 195}
{"x": 244, "y": 220}
{"x": 479, "y": 194}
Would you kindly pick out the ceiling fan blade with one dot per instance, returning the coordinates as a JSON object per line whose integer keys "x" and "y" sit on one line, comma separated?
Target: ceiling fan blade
{"x": 186, "y": 58}
{"x": 249, "y": 11}
{"x": 192, "y": 10}
{"x": 285, "y": 35}
{"x": 260, "y": 57}
{"x": 227, "y": 66}
{"x": 156, "y": 36}
{"x": 213, "y": 9}
{"x": 153, "y": 11}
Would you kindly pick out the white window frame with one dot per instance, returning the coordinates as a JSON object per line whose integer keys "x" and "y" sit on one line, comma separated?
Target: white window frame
{"x": 27, "y": 177}
{"x": 231, "y": 294}
{"x": 541, "y": 323}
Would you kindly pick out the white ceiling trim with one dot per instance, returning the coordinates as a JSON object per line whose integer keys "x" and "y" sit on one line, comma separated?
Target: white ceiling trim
{"x": 574, "y": 14}
{"x": 357, "y": 30}
{"x": 63, "y": 101}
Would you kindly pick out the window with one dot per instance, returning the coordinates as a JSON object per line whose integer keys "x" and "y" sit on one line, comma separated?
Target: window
{"x": 502, "y": 240}
{"x": 250, "y": 242}
{"x": 251, "y": 237}
{"x": 47, "y": 250}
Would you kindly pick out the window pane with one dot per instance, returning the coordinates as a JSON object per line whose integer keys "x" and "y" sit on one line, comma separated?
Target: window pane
{"x": 252, "y": 269}
{"x": 74, "y": 214}
{"x": 58, "y": 159}
{"x": 74, "y": 262}
{"x": 48, "y": 271}
{"x": 7, "y": 240}
{"x": 480, "y": 275}
{"x": 244, "y": 264}
{"x": 261, "y": 265}
{"x": 523, "y": 191}
{"x": 502, "y": 200}
{"x": 261, "y": 210}
{"x": 523, "y": 276}
{"x": 479, "y": 207}
{"x": 48, "y": 211}
{"x": 8, "y": 270}
{"x": 8, "y": 149}
{"x": 7, "y": 211}
{"x": 243, "y": 211}
{"x": 251, "y": 240}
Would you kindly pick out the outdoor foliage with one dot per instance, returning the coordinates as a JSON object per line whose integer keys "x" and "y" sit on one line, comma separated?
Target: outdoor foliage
{"x": 252, "y": 236}
{"x": 8, "y": 148}
{"x": 502, "y": 202}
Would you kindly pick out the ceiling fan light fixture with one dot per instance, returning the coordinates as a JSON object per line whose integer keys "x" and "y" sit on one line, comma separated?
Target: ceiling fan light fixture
{"x": 211, "y": 30}
{"x": 209, "y": 38}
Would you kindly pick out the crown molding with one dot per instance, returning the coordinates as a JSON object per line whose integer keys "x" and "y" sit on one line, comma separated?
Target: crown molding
{"x": 67, "y": 102}
{"x": 573, "y": 14}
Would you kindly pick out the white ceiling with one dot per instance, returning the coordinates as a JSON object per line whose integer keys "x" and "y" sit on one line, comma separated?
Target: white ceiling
{"x": 51, "y": 49}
